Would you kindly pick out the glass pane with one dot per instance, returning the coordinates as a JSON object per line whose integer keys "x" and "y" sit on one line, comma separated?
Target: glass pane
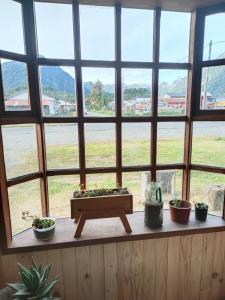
{"x": 54, "y": 30}
{"x": 136, "y": 87}
{"x": 170, "y": 142}
{"x": 135, "y": 182}
{"x": 58, "y": 91}
{"x": 209, "y": 188}
{"x": 208, "y": 143}
{"x": 100, "y": 145}
{"x": 99, "y": 91}
{"x": 20, "y": 149}
{"x": 213, "y": 88}
{"x": 214, "y": 38}
{"x": 97, "y": 32}
{"x": 62, "y": 146}
{"x": 174, "y": 36}
{"x": 24, "y": 197}
{"x": 171, "y": 184}
{"x": 15, "y": 85}
{"x": 137, "y": 34}
{"x": 60, "y": 189}
{"x": 136, "y": 144}
{"x": 11, "y": 27}
{"x": 99, "y": 181}
{"x": 172, "y": 92}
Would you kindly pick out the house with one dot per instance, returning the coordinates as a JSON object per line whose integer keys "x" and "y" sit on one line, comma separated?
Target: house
{"x": 175, "y": 100}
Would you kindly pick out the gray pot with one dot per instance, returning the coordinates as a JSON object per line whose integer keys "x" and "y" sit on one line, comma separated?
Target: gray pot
{"x": 46, "y": 233}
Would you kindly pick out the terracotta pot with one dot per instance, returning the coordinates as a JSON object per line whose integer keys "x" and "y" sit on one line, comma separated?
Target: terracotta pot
{"x": 181, "y": 214}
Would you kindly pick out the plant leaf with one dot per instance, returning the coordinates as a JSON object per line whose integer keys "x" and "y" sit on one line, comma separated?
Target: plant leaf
{"x": 17, "y": 286}
{"x": 46, "y": 291}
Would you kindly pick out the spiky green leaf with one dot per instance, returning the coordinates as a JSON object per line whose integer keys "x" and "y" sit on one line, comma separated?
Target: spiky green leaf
{"x": 17, "y": 286}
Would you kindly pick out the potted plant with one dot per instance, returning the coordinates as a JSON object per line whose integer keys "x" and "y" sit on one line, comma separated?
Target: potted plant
{"x": 101, "y": 203}
{"x": 44, "y": 228}
{"x": 34, "y": 283}
{"x": 201, "y": 211}
{"x": 179, "y": 211}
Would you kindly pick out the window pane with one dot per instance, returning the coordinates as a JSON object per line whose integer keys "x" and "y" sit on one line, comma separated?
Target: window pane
{"x": 24, "y": 197}
{"x": 54, "y": 30}
{"x": 11, "y": 27}
{"x": 209, "y": 188}
{"x": 137, "y": 34}
{"x": 61, "y": 146}
{"x": 213, "y": 88}
{"x": 136, "y": 87}
{"x": 58, "y": 91}
{"x": 135, "y": 182}
{"x": 170, "y": 143}
{"x": 172, "y": 92}
{"x": 97, "y": 32}
{"x": 100, "y": 145}
{"x": 60, "y": 189}
{"x": 15, "y": 85}
{"x": 214, "y": 38}
{"x": 174, "y": 36}
{"x": 20, "y": 149}
{"x": 171, "y": 184}
{"x": 99, "y": 181}
{"x": 99, "y": 91}
{"x": 208, "y": 143}
{"x": 136, "y": 144}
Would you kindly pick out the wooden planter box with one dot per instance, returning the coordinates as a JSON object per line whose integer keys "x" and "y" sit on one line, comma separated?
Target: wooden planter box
{"x": 109, "y": 206}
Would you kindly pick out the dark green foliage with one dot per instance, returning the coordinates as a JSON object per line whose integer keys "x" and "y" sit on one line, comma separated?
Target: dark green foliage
{"x": 34, "y": 283}
{"x": 176, "y": 203}
{"x": 201, "y": 205}
{"x": 38, "y": 223}
{"x": 100, "y": 192}
{"x": 133, "y": 93}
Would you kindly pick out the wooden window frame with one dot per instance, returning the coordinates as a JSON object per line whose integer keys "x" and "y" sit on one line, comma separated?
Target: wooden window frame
{"x": 35, "y": 114}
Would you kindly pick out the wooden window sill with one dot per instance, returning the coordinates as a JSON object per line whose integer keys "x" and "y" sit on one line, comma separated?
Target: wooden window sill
{"x": 102, "y": 231}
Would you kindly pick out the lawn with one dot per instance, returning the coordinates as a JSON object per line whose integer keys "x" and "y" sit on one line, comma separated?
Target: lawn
{"x": 26, "y": 196}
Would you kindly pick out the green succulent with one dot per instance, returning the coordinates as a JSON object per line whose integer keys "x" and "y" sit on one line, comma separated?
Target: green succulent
{"x": 176, "y": 203}
{"x": 100, "y": 192}
{"x": 201, "y": 205}
{"x": 34, "y": 283}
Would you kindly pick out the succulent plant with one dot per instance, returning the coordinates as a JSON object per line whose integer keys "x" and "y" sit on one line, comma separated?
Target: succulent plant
{"x": 176, "y": 203}
{"x": 201, "y": 205}
{"x": 34, "y": 283}
{"x": 100, "y": 192}
{"x": 38, "y": 223}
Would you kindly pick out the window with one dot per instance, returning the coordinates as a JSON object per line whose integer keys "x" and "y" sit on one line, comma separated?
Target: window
{"x": 99, "y": 91}
{"x": 137, "y": 34}
{"x": 55, "y": 39}
{"x": 97, "y": 32}
{"x": 15, "y": 85}
{"x": 137, "y": 88}
{"x": 11, "y": 18}
{"x": 20, "y": 149}
{"x": 118, "y": 112}
{"x": 174, "y": 36}
{"x": 58, "y": 95}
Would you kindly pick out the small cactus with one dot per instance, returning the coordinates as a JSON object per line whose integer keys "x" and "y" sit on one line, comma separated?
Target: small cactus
{"x": 34, "y": 283}
{"x": 100, "y": 192}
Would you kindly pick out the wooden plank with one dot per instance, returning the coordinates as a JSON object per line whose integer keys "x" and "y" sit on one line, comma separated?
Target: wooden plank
{"x": 195, "y": 266}
{"x": 184, "y": 267}
{"x": 84, "y": 273}
{"x": 10, "y": 269}
{"x": 149, "y": 250}
{"x": 124, "y": 270}
{"x": 69, "y": 268}
{"x": 218, "y": 265}
{"x": 1, "y": 273}
{"x": 55, "y": 259}
{"x": 110, "y": 265}
{"x": 161, "y": 261}
{"x": 137, "y": 261}
{"x": 97, "y": 272}
{"x": 173, "y": 268}
{"x": 207, "y": 266}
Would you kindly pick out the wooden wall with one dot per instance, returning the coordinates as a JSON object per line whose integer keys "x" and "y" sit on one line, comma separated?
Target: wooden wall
{"x": 188, "y": 267}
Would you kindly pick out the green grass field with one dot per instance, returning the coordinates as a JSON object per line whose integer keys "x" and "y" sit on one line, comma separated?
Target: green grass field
{"x": 26, "y": 196}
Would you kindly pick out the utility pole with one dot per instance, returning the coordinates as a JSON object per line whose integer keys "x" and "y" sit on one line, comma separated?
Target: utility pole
{"x": 207, "y": 78}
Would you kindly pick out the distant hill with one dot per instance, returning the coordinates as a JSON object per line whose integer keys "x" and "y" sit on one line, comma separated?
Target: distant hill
{"x": 59, "y": 84}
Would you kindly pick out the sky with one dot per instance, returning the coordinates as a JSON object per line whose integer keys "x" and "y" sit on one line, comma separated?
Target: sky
{"x": 55, "y": 36}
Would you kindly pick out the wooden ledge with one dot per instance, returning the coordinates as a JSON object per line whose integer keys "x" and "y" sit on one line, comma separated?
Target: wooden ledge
{"x": 104, "y": 231}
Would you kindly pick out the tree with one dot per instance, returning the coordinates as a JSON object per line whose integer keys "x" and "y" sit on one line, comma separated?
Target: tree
{"x": 96, "y": 98}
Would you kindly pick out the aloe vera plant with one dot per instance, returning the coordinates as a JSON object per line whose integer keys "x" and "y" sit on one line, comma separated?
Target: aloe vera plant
{"x": 34, "y": 283}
